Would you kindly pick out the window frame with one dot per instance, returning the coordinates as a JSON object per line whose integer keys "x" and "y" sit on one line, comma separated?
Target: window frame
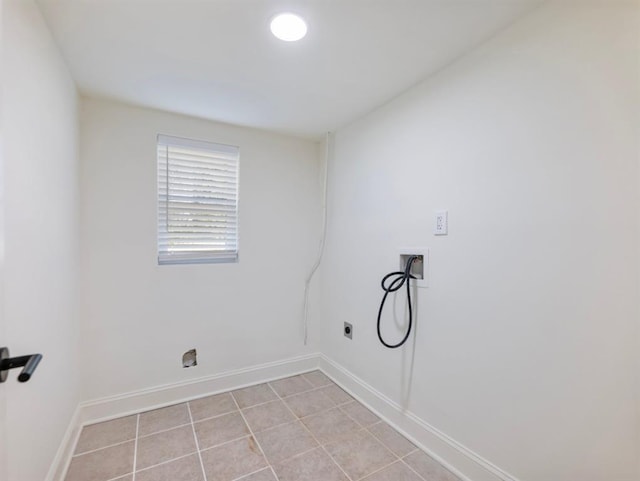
{"x": 164, "y": 257}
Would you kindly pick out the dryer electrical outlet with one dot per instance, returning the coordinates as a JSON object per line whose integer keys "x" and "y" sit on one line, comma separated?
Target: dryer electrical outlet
{"x": 348, "y": 330}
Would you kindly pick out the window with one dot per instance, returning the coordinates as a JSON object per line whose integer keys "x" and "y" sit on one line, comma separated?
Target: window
{"x": 197, "y": 201}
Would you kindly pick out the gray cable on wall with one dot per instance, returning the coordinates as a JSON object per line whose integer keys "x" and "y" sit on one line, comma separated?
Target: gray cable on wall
{"x": 323, "y": 237}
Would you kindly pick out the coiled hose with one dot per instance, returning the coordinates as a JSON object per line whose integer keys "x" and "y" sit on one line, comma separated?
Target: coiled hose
{"x": 395, "y": 282}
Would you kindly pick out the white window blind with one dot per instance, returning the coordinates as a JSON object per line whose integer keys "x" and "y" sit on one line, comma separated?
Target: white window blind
{"x": 197, "y": 201}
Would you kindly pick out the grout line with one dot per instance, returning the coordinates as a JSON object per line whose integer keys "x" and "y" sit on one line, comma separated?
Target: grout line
{"x": 305, "y": 374}
{"x": 349, "y": 416}
{"x": 334, "y": 406}
{"x": 244, "y": 476}
{"x": 119, "y": 477}
{"x": 166, "y": 462}
{"x": 413, "y": 470}
{"x": 164, "y": 430}
{"x": 342, "y": 406}
{"x": 273, "y": 471}
{"x": 103, "y": 447}
{"x": 208, "y": 418}
{"x": 137, "y": 436}
{"x": 306, "y": 451}
{"x": 410, "y": 453}
{"x": 299, "y": 393}
{"x": 361, "y": 429}
{"x": 279, "y": 398}
{"x": 381, "y": 441}
{"x": 208, "y": 448}
{"x": 377, "y": 471}
{"x": 253, "y": 435}
{"x": 216, "y": 417}
{"x": 195, "y": 437}
{"x": 299, "y": 418}
{"x": 277, "y": 425}
{"x": 257, "y": 405}
{"x": 315, "y": 439}
{"x": 295, "y": 393}
{"x": 296, "y": 419}
{"x": 397, "y": 460}
{"x": 135, "y": 448}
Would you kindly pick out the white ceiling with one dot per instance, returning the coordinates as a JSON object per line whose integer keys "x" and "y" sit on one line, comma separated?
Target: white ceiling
{"x": 216, "y": 59}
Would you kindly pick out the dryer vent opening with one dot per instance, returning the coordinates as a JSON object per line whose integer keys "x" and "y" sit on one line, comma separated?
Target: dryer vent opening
{"x": 190, "y": 358}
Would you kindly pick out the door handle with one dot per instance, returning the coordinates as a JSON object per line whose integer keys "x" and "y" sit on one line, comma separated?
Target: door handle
{"x": 29, "y": 363}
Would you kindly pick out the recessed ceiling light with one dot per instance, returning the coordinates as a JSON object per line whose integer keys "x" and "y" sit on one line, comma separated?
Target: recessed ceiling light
{"x": 288, "y": 27}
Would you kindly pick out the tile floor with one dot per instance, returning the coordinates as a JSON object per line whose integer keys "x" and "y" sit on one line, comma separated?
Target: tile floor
{"x": 302, "y": 428}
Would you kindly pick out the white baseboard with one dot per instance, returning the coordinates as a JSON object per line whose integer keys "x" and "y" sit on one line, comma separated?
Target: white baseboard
{"x": 459, "y": 459}
{"x": 98, "y": 410}
{"x": 58, "y": 468}
{"x": 160, "y": 396}
{"x": 466, "y": 464}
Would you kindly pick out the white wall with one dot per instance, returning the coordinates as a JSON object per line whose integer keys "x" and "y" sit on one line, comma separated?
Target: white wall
{"x": 526, "y": 347}
{"x": 39, "y": 128}
{"x": 138, "y": 317}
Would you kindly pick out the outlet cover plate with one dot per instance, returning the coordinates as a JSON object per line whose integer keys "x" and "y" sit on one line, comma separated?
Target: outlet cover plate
{"x": 348, "y": 330}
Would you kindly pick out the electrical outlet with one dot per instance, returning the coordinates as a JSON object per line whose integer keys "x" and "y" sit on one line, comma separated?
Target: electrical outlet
{"x": 442, "y": 223}
{"x": 348, "y": 330}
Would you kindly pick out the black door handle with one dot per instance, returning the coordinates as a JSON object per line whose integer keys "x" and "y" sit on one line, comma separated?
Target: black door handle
{"x": 29, "y": 363}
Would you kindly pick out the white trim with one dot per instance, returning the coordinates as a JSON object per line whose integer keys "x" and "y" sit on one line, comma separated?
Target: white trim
{"x": 459, "y": 459}
{"x": 99, "y": 410}
{"x": 135, "y": 402}
{"x": 456, "y": 457}
{"x": 62, "y": 459}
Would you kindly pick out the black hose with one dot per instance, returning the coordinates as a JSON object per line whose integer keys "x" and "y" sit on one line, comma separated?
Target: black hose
{"x": 401, "y": 277}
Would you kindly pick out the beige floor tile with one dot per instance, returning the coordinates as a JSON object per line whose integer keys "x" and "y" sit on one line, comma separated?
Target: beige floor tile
{"x": 429, "y": 468}
{"x": 397, "y": 443}
{"x": 337, "y": 394}
{"x": 330, "y": 426}
{"x": 161, "y": 447}
{"x": 183, "y": 469}
{"x": 291, "y": 385}
{"x": 105, "y": 434}
{"x": 311, "y": 466}
{"x": 318, "y": 378}
{"x": 285, "y": 441}
{"x": 360, "y": 454}
{"x": 232, "y": 460}
{"x": 102, "y": 465}
{"x": 164, "y": 418}
{"x": 310, "y": 402}
{"x": 267, "y": 415}
{"x": 220, "y": 430}
{"x": 396, "y": 472}
{"x": 211, "y": 406}
{"x": 360, "y": 414}
{"x": 264, "y": 475}
{"x": 250, "y": 396}
{"x": 313, "y": 409}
